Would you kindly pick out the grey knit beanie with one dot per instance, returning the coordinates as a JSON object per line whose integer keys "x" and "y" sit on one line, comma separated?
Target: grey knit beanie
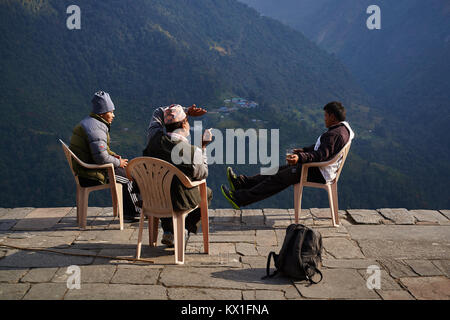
{"x": 102, "y": 103}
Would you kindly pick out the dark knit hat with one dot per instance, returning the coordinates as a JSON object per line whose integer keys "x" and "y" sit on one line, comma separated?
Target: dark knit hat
{"x": 102, "y": 103}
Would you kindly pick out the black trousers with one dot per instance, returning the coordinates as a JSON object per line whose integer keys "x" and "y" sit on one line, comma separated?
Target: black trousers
{"x": 259, "y": 187}
{"x": 130, "y": 192}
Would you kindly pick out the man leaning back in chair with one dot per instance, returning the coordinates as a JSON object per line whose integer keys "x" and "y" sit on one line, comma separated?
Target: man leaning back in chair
{"x": 169, "y": 127}
{"x": 245, "y": 190}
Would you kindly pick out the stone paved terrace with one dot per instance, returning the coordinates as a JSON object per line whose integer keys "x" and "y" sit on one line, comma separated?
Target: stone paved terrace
{"x": 412, "y": 248}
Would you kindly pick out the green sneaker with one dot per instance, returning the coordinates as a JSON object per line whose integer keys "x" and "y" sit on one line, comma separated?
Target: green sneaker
{"x": 231, "y": 176}
{"x": 229, "y": 196}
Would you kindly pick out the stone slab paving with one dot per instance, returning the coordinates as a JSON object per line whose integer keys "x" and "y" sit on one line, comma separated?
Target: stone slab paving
{"x": 88, "y": 274}
{"x": 445, "y": 213}
{"x": 42, "y": 219}
{"x": 246, "y": 249}
{"x": 38, "y": 275}
{"x": 13, "y": 291}
{"x": 11, "y": 275}
{"x": 410, "y": 247}
{"x": 363, "y": 216}
{"x": 325, "y": 213}
{"x": 30, "y": 259}
{"x": 264, "y": 295}
{"x": 203, "y": 294}
{"x": 252, "y": 217}
{"x": 428, "y": 288}
{"x": 349, "y": 284}
{"x": 100, "y": 291}
{"x": 395, "y": 295}
{"x": 341, "y": 248}
{"x": 46, "y": 291}
{"x": 424, "y": 267}
{"x": 444, "y": 266}
{"x": 387, "y": 282}
{"x": 398, "y": 216}
{"x": 433, "y": 216}
{"x": 132, "y": 274}
{"x": 402, "y": 241}
{"x": 10, "y": 217}
{"x": 396, "y": 268}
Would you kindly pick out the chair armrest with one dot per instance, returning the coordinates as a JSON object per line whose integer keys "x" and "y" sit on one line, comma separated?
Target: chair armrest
{"x": 316, "y": 164}
{"x": 192, "y": 184}
{"x": 323, "y": 163}
{"x": 98, "y": 166}
{"x": 111, "y": 174}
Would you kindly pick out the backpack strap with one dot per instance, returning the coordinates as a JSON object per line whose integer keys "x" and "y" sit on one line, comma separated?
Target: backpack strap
{"x": 302, "y": 239}
{"x": 311, "y": 280}
{"x": 268, "y": 275}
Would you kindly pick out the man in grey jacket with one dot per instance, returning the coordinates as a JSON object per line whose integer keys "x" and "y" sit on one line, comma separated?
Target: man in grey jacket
{"x": 90, "y": 142}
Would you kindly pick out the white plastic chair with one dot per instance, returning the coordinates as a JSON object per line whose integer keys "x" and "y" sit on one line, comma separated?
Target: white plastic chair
{"x": 154, "y": 178}
{"x": 83, "y": 192}
{"x": 331, "y": 186}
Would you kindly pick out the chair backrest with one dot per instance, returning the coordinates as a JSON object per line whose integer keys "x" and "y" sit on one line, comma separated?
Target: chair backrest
{"x": 342, "y": 155}
{"x": 69, "y": 155}
{"x": 154, "y": 178}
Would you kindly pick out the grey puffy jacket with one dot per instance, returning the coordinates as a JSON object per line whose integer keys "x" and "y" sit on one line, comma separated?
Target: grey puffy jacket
{"x": 97, "y": 132}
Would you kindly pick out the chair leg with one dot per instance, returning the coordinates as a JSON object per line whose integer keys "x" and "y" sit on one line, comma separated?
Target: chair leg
{"x": 178, "y": 232}
{"x": 298, "y": 190}
{"x": 153, "y": 231}
{"x": 330, "y": 199}
{"x": 115, "y": 203}
{"x": 204, "y": 215}
{"x": 119, "y": 205}
{"x": 335, "y": 203}
{"x": 82, "y": 207}
{"x": 78, "y": 206}
{"x": 139, "y": 243}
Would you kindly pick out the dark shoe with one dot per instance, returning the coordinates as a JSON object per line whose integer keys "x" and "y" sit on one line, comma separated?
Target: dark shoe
{"x": 167, "y": 239}
{"x": 187, "y": 234}
{"x": 130, "y": 219}
{"x": 193, "y": 220}
{"x": 232, "y": 179}
{"x": 229, "y": 196}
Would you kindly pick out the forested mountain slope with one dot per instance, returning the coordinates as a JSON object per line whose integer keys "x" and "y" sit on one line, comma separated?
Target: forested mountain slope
{"x": 152, "y": 53}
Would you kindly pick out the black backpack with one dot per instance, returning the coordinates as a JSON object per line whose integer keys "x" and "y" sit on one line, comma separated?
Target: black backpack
{"x": 300, "y": 255}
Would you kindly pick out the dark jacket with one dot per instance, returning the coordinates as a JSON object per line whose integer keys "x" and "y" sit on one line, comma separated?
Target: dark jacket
{"x": 327, "y": 146}
{"x": 160, "y": 146}
{"x": 331, "y": 142}
{"x": 90, "y": 143}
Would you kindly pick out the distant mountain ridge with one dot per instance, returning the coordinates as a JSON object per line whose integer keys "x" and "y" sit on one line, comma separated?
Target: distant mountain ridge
{"x": 404, "y": 67}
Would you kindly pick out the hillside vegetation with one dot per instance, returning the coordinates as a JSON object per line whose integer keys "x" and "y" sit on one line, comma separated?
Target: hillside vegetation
{"x": 152, "y": 53}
